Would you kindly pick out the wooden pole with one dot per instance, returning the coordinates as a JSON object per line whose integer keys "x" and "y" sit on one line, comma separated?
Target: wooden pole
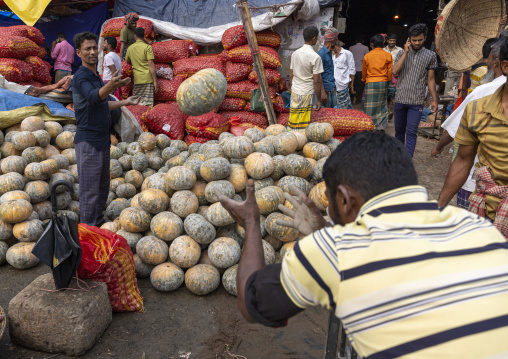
{"x": 258, "y": 60}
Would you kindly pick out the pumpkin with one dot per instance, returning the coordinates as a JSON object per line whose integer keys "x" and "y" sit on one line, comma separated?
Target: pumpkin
{"x": 274, "y": 242}
{"x": 194, "y": 165}
{"x": 286, "y": 248}
{"x": 115, "y": 182}
{"x": 13, "y": 164}
{"x": 229, "y": 280}
{"x": 215, "y": 169}
{"x": 53, "y": 164}
{"x": 202, "y": 279}
{"x": 285, "y": 234}
{"x": 111, "y": 197}
{"x": 241, "y": 231}
{"x": 155, "y": 162}
{"x": 7, "y": 149}
{"x": 223, "y": 186}
{"x": 153, "y": 200}
{"x": 194, "y": 148}
{"x": 169, "y": 152}
{"x": 162, "y": 141}
{"x": 114, "y": 152}
{"x": 199, "y": 229}
{"x": 299, "y": 182}
{"x": 32, "y": 123}
{"x": 135, "y": 178}
{"x": 203, "y": 210}
{"x": 33, "y": 154}
{"x": 202, "y": 92}
{"x": 254, "y": 134}
{"x": 42, "y": 138}
{"x": 268, "y": 199}
{"x": 316, "y": 151}
{"x": 63, "y": 200}
{"x": 230, "y": 232}
{"x": 62, "y": 161}
{"x": 238, "y": 147}
{"x": 300, "y": 138}
{"x": 319, "y": 132}
{"x": 157, "y": 181}
{"x": 285, "y": 143}
{"x": 166, "y": 277}
{"x": 126, "y": 162}
{"x": 184, "y": 203}
{"x": 264, "y": 147}
{"x": 3, "y": 252}
{"x": 139, "y": 162}
{"x": 20, "y": 255}
{"x": 16, "y": 194}
{"x": 211, "y": 150}
{"x": 23, "y": 140}
{"x": 38, "y": 171}
{"x": 38, "y": 191}
{"x": 199, "y": 191}
{"x": 274, "y": 130}
{"x": 115, "y": 208}
{"x": 53, "y": 128}
{"x": 51, "y": 151}
{"x": 218, "y": 215}
{"x": 148, "y": 172}
{"x": 259, "y": 165}
{"x": 70, "y": 127}
{"x": 75, "y": 194}
{"x": 131, "y": 238}
{"x": 9, "y": 135}
{"x": 111, "y": 226}
{"x": 263, "y": 183}
{"x": 184, "y": 252}
{"x": 6, "y": 231}
{"x": 43, "y": 209}
{"x": 152, "y": 250}
{"x": 28, "y": 231}
{"x": 278, "y": 167}
{"x": 135, "y": 201}
{"x": 318, "y": 196}
{"x": 60, "y": 176}
{"x": 268, "y": 252}
{"x": 178, "y": 160}
{"x": 332, "y": 144}
{"x": 135, "y": 220}
{"x": 10, "y": 182}
{"x": 295, "y": 165}
{"x": 70, "y": 153}
{"x": 126, "y": 190}
{"x": 180, "y": 178}
{"x": 166, "y": 226}
{"x": 65, "y": 140}
{"x": 147, "y": 141}
{"x": 224, "y": 136}
{"x": 143, "y": 270}
{"x": 224, "y": 252}
{"x": 238, "y": 177}
{"x": 113, "y": 140}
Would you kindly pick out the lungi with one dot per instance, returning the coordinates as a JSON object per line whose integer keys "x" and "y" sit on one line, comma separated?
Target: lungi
{"x": 343, "y": 100}
{"x": 300, "y": 111}
{"x": 145, "y": 92}
{"x": 463, "y": 198}
{"x": 376, "y": 96}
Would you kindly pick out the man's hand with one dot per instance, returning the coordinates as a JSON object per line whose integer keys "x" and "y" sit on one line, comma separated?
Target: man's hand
{"x": 245, "y": 213}
{"x": 116, "y": 81}
{"x": 434, "y": 106}
{"x": 436, "y": 151}
{"x": 306, "y": 217}
{"x": 407, "y": 45}
{"x": 133, "y": 100}
{"x": 352, "y": 88}
{"x": 318, "y": 105}
{"x": 155, "y": 87}
{"x": 503, "y": 21}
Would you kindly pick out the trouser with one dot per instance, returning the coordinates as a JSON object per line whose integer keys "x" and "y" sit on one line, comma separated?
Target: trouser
{"x": 358, "y": 85}
{"x": 407, "y": 119}
{"x": 60, "y": 74}
{"x": 93, "y": 174}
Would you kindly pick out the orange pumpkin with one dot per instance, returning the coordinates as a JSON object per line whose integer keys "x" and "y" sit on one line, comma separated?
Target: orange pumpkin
{"x": 319, "y": 132}
{"x": 28, "y": 231}
{"x": 274, "y": 130}
{"x": 151, "y": 250}
{"x": 135, "y": 178}
{"x": 166, "y": 277}
{"x": 285, "y": 234}
{"x": 238, "y": 177}
{"x": 32, "y": 123}
{"x": 65, "y": 140}
{"x": 13, "y": 164}
{"x": 15, "y": 211}
{"x": 53, "y": 128}
{"x": 268, "y": 199}
{"x": 318, "y": 196}
{"x": 135, "y": 220}
{"x": 259, "y": 165}
{"x": 23, "y": 140}
{"x": 153, "y": 200}
{"x": 147, "y": 141}
{"x": 166, "y": 226}
{"x": 285, "y": 143}
{"x": 202, "y": 279}
{"x": 184, "y": 252}
{"x": 38, "y": 191}
{"x": 316, "y": 151}
{"x": 215, "y": 169}
{"x": 20, "y": 255}
{"x": 180, "y": 178}
{"x": 184, "y": 203}
{"x": 11, "y": 182}
{"x": 295, "y": 165}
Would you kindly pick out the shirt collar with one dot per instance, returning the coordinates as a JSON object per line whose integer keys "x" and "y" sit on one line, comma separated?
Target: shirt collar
{"x": 88, "y": 71}
{"x": 494, "y": 106}
{"x": 139, "y": 40}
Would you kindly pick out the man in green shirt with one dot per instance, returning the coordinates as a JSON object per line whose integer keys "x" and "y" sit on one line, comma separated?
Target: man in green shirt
{"x": 127, "y": 33}
{"x": 140, "y": 56}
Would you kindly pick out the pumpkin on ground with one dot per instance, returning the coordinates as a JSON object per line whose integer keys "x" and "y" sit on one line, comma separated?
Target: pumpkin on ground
{"x": 28, "y": 231}
{"x": 135, "y": 178}
{"x": 225, "y": 187}
{"x": 38, "y": 171}
{"x": 11, "y": 182}
{"x": 295, "y": 165}
{"x": 274, "y": 130}
{"x": 53, "y": 128}
{"x": 4, "y": 247}
{"x": 15, "y": 211}
{"x": 147, "y": 141}
{"x": 13, "y": 164}
{"x": 229, "y": 280}
{"x": 184, "y": 203}
{"x": 151, "y": 250}
{"x": 269, "y": 198}
{"x": 157, "y": 181}
{"x": 259, "y": 165}
{"x": 16, "y": 194}
{"x": 268, "y": 252}
{"x": 115, "y": 208}
{"x": 316, "y": 151}
{"x": 300, "y": 138}
{"x": 238, "y": 177}
{"x": 20, "y": 255}
{"x": 6, "y": 230}
{"x": 65, "y": 140}
{"x": 285, "y": 144}
{"x": 202, "y": 279}
{"x": 166, "y": 277}
{"x": 153, "y": 200}
{"x": 285, "y": 234}
{"x": 301, "y": 183}
{"x": 215, "y": 169}
{"x": 319, "y": 132}
{"x": 111, "y": 226}
{"x": 23, "y": 140}
{"x": 180, "y": 178}
{"x": 199, "y": 229}
{"x": 224, "y": 252}
{"x": 218, "y": 215}
{"x": 143, "y": 270}
{"x": 135, "y": 220}
{"x": 126, "y": 190}
{"x": 184, "y": 252}
{"x": 38, "y": 191}
{"x": 131, "y": 238}
{"x": 238, "y": 147}
{"x": 166, "y": 226}
{"x": 32, "y": 123}
{"x": 318, "y": 196}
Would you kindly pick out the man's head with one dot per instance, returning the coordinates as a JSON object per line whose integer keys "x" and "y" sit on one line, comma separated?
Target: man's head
{"x": 331, "y": 36}
{"x": 139, "y": 33}
{"x": 377, "y": 41}
{"x": 487, "y": 48}
{"x": 503, "y": 55}
{"x": 109, "y": 44}
{"x": 493, "y": 62}
{"x": 418, "y": 35}
{"x": 131, "y": 20}
{"x": 310, "y": 35}
{"x": 61, "y": 36}
{"x": 363, "y": 167}
{"x": 359, "y": 40}
{"x": 86, "y": 47}
{"x": 392, "y": 40}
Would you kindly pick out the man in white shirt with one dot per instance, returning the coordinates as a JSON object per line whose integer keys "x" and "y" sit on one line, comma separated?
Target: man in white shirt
{"x": 112, "y": 62}
{"x": 305, "y": 80}
{"x": 392, "y": 47}
{"x": 344, "y": 71}
{"x": 451, "y": 125}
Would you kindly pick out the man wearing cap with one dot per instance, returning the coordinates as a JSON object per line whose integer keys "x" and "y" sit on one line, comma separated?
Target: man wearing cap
{"x": 331, "y": 37}
{"x": 127, "y": 34}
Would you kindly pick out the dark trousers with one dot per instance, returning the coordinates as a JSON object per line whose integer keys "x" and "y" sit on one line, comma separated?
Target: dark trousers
{"x": 93, "y": 173}
{"x": 407, "y": 119}
{"x": 359, "y": 86}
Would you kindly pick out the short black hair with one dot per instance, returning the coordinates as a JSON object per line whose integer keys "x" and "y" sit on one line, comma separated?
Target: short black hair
{"x": 310, "y": 32}
{"x": 418, "y": 29}
{"x": 61, "y": 35}
{"x": 139, "y": 32}
{"x": 359, "y": 39}
{"x": 111, "y": 41}
{"x": 487, "y": 46}
{"x": 371, "y": 163}
{"x": 377, "y": 40}
{"x": 391, "y": 37}
{"x": 82, "y": 37}
{"x": 503, "y": 52}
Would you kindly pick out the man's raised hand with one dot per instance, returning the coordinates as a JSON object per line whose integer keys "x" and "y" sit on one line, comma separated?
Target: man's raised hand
{"x": 244, "y": 213}
{"x": 117, "y": 81}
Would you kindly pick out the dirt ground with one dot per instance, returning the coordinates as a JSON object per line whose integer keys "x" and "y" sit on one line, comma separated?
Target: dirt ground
{"x": 182, "y": 325}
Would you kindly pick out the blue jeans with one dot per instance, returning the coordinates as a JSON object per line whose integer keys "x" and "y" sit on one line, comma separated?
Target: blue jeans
{"x": 407, "y": 119}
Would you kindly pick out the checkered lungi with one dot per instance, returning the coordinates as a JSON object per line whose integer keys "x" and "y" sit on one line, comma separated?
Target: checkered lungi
{"x": 93, "y": 173}
{"x": 300, "y": 111}
{"x": 375, "y": 105}
{"x": 344, "y": 100}
{"x": 463, "y": 198}
{"x": 145, "y": 92}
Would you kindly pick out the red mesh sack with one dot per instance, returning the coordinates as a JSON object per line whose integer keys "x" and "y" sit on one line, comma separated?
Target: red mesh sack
{"x": 41, "y": 52}
{"x": 194, "y": 64}
{"x": 243, "y": 89}
{"x": 118, "y": 45}
{"x": 193, "y": 48}
{"x": 40, "y": 69}
{"x": 278, "y": 105}
{"x": 283, "y": 119}
{"x": 241, "y": 117}
{"x": 209, "y": 125}
{"x": 268, "y": 38}
{"x": 31, "y": 83}
{"x": 17, "y": 47}
{"x": 236, "y": 71}
{"x": 167, "y": 119}
{"x": 168, "y": 88}
{"x": 272, "y": 76}
{"x": 15, "y": 70}
{"x": 239, "y": 130}
{"x": 138, "y": 112}
{"x": 29, "y": 32}
{"x": 271, "y": 59}
{"x": 234, "y": 37}
{"x": 344, "y": 122}
{"x": 106, "y": 257}
{"x": 127, "y": 90}
{"x": 211, "y": 55}
{"x": 190, "y": 139}
{"x": 127, "y": 70}
{"x": 114, "y": 26}
{"x": 232, "y": 104}
{"x": 170, "y": 51}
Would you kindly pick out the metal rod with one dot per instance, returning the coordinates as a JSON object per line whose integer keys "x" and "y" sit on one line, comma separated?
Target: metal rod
{"x": 277, "y": 5}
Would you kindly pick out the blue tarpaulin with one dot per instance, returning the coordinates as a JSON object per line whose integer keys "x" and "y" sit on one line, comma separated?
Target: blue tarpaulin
{"x": 10, "y": 100}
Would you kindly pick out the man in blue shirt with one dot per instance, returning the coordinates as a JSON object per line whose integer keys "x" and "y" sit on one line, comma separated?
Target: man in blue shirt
{"x": 331, "y": 37}
{"x": 92, "y": 106}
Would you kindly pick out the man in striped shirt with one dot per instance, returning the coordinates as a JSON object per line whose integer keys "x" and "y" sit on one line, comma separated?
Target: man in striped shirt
{"x": 405, "y": 277}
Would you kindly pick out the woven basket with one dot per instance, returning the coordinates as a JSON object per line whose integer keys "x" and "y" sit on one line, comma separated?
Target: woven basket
{"x": 3, "y": 323}
{"x": 463, "y": 28}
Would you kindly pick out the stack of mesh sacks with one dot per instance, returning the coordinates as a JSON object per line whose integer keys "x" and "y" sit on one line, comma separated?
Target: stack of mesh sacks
{"x": 21, "y": 56}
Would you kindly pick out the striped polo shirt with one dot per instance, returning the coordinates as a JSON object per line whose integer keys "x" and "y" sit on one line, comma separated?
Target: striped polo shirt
{"x": 408, "y": 279}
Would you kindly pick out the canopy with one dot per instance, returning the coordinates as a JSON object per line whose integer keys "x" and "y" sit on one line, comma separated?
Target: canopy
{"x": 28, "y": 10}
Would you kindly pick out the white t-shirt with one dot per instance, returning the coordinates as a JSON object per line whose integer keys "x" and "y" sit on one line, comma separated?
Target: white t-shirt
{"x": 111, "y": 58}
{"x": 305, "y": 63}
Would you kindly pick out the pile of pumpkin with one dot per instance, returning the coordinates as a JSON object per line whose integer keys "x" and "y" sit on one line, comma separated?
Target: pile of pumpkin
{"x": 162, "y": 198}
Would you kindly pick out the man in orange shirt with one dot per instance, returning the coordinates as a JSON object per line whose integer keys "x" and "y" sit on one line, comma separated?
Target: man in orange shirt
{"x": 377, "y": 73}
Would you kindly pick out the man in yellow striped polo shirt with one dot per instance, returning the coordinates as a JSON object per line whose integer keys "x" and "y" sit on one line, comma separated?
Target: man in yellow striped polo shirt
{"x": 405, "y": 277}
